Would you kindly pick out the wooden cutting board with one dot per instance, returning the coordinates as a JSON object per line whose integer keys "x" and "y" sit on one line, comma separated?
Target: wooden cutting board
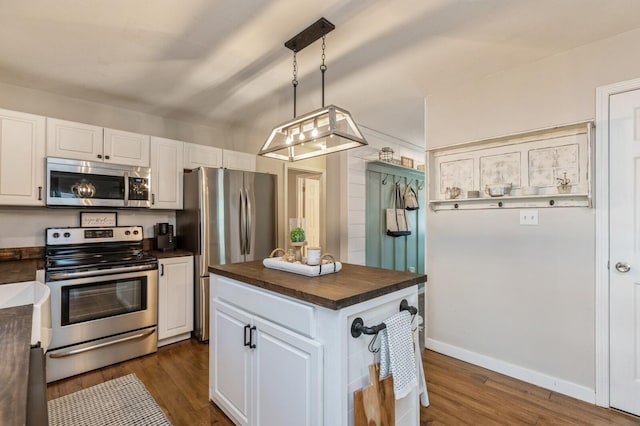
{"x": 375, "y": 405}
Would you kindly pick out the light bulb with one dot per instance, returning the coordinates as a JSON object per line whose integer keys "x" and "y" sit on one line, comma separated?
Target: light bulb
{"x": 314, "y": 132}
{"x": 289, "y": 140}
{"x": 301, "y": 137}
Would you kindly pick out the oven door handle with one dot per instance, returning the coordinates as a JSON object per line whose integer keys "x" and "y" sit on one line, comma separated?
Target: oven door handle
{"x": 102, "y": 345}
{"x": 67, "y": 275}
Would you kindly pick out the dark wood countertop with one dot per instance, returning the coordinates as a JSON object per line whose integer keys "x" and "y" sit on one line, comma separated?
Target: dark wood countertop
{"x": 169, "y": 253}
{"x": 353, "y": 284}
{"x": 15, "y": 343}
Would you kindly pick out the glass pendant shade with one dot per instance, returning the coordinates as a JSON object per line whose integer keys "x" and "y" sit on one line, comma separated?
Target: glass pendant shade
{"x": 320, "y": 132}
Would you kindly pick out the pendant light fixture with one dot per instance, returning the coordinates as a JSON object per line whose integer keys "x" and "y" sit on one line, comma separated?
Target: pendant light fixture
{"x": 320, "y": 132}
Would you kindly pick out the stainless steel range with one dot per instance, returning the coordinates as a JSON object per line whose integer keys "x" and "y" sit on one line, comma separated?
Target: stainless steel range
{"x": 104, "y": 298}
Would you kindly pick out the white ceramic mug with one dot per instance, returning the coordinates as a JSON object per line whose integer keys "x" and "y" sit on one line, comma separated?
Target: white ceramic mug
{"x": 313, "y": 256}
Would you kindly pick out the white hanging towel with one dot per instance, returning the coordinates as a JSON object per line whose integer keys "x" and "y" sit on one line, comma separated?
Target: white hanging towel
{"x": 397, "y": 356}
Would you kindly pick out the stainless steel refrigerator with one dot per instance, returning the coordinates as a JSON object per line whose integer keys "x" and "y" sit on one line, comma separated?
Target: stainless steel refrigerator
{"x": 228, "y": 216}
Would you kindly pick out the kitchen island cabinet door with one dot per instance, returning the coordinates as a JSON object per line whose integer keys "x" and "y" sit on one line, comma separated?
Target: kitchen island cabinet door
{"x": 22, "y": 146}
{"x": 230, "y": 361}
{"x": 287, "y": 377}
{"x": 166, "y": 173}
{"x": 175, "y": 299}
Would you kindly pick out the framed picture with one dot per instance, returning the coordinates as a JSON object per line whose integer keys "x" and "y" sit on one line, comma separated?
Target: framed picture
{"x": 406, "y": 162}
{"x": 97, "y": 219}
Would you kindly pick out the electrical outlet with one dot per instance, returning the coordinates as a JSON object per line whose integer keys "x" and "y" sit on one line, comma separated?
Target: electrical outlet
{"x": 528, "y": 216}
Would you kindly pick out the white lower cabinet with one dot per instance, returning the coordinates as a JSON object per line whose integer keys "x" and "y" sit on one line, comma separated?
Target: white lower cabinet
{"x": 276, "y": 360}
{"x": 262, "y": 373}
{"x": 175, "y": 299}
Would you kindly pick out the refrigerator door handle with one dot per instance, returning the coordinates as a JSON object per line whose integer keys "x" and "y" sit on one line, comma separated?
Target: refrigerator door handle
{"x": 243, "y": 224}
{"x": 249, "y": 224}
{"x": 203, "y": 225}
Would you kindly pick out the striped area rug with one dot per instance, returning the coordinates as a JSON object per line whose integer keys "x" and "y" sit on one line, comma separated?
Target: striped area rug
{"x": 121, "y": 401}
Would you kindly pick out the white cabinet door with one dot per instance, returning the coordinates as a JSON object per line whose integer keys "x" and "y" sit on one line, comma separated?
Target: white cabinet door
{"x": 77, "y": 141}
{"x": 201, "y": 156}
{"x": 166, "y": 173}
{"x": 230, "y": 369}
{"x": 22, "y": 143}
{"x": 238, "y": 161}
{"x": 122, "y": 147}
{"x": 175, "y": 296}
{"x": 287, "y": 377}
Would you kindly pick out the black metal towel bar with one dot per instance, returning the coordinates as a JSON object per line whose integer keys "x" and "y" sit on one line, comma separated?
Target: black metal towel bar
{"x": 358, "y": 328}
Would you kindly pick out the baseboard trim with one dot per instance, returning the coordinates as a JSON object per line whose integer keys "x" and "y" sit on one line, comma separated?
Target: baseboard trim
{"x": 555, "y": 384}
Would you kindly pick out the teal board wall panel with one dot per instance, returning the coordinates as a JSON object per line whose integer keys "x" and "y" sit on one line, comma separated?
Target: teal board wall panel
{"x": 397, "y": 253}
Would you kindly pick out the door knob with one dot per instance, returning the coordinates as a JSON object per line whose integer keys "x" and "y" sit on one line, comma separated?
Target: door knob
{"x": 623, "y": 267}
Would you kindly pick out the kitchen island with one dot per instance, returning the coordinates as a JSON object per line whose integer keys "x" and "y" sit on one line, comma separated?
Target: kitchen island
{"x": 281, "y": 345}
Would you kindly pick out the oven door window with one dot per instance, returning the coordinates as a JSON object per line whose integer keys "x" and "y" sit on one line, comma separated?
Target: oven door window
{"x": 87, "y": 302}
{"x": 80, "y": 185}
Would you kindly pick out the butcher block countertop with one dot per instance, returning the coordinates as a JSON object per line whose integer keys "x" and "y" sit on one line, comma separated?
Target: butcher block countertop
{"x": 15, "y": 342}
{"x": 352, "y": 285}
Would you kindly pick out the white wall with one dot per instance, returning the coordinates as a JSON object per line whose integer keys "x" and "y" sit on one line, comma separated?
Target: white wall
{"x": 25, "y": 226}
{"x": 513, "y": 298}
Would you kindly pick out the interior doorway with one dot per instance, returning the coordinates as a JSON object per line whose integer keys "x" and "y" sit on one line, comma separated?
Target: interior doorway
{"x": 617, "y": 248}
{"x": 305, "y": 198}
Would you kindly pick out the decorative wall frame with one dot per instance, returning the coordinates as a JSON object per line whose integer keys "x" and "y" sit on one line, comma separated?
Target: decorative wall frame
{"x": 98, "y": 219}
{"x": 532, "y": 162}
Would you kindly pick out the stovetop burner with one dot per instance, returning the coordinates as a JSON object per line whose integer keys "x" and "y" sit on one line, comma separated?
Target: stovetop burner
{"x": 80, "y": 249}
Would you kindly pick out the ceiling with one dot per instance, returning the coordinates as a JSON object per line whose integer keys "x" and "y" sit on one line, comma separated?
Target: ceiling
{"x": 213, "y": 61}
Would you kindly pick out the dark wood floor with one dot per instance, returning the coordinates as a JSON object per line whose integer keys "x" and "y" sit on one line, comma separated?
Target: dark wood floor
{"x": 460, "y": 393}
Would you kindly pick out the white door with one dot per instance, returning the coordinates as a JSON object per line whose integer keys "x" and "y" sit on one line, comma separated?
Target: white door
{"x": 78, "y": 141}
{"x": 167, "y": 173}
{"x": 129, "y": 148}
{"x": 287, "y": 377}
{"x": 175, "y": 297}
{"x": 624, "y": 271}
{"x": 230, "y": 368}
{"x": 21, "y": 158}
{"x": 308, "y": 188}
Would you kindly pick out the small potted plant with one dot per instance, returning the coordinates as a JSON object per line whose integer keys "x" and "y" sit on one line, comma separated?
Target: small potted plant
{"x": 297, "y": 236}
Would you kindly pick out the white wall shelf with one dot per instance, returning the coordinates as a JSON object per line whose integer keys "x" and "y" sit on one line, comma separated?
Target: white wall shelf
{"x": 534, "y": 159}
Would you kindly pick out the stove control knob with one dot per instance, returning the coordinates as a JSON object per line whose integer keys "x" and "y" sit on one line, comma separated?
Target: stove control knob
{"x": 127, "y": 232}
{"x": 67, "y": 235}
{"x": 56, "y": 235}
{"x": 135, "y": 232}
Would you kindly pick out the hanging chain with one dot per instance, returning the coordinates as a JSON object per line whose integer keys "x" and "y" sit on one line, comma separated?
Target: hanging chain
{"x": 294, "y": 82}
{"x": 323, "y": 67}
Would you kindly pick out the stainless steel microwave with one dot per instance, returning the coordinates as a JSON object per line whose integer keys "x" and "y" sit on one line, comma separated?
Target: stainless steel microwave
{"x": 88, "y": 183}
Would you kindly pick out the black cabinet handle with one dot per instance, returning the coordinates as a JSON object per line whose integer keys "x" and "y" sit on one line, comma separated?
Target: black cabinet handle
{"x": 39, "y": 193}
{"x": 99, "y": 155}
{"x": 247, "y": 328}
{"x": 251, "y": 344}
{"x": 106, "y": 157}
{"x": 162, "y": 270}
{"x": 153, "y": 198}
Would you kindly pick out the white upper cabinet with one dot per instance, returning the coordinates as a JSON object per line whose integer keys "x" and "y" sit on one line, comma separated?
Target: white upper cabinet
{"x": 238, "y": 161}
{"x": 166, "y": 173}
{"x": 79, "y": 141}
{"x": 22, "y": 147}
{"x": 201, "y": 156}
{"x": 122, "y": 147}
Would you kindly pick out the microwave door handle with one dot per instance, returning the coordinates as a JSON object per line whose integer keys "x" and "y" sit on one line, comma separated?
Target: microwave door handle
{"x": 126, "y": 189}
{"x": 248, "y": 219}
{"x": 243, "y": 224}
